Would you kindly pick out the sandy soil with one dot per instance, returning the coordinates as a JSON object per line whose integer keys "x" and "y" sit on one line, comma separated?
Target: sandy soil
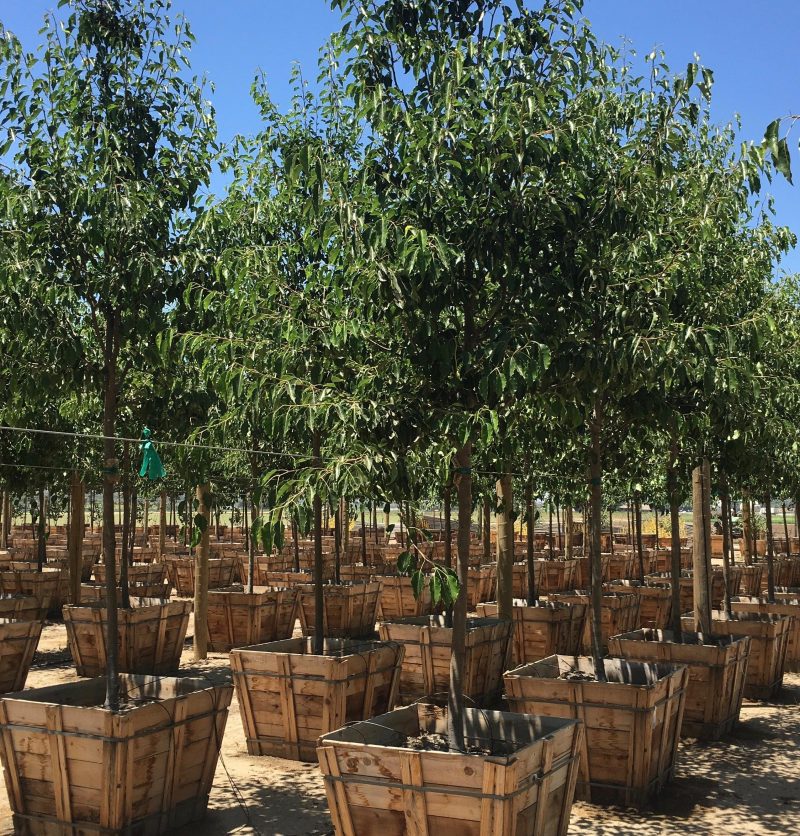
{"x": 746, "y": 784}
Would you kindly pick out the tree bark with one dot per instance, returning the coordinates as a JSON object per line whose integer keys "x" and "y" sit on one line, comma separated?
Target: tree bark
{"x": 786, "y": 529}
{"x": 251, "y": 548}
{"x": 596, "y": 509}
{"x": 296, "y": 543}
{"x": 727, "y": 543}
{"x": 701, "y": 527}
{"x": 203, "y": 494}
{"x": 610, "y": 528}
{"x": 6, "y": 530}
{"x": 747, "y": 529}
{"x": 770, "y": 550}
{"x": 568, "y": 530}
{"x": 505, "y": 547}
{"x": 448, "y": 526}
{"x": 455, "y": 695}
{"x": 675, "y": 535}
{"x": 363, "y": 533}
{"x": 41, "y": 541}
{"x": 75, "y": 541}
{"x": 530, "y": 530}
{"x": 162, "y": 523}
{"x": 487, "y": 529}
{"x": 126, "y": 528}
{"x": 319, "y": 597}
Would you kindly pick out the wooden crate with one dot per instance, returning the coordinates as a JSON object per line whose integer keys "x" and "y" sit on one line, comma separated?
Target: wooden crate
{"x": 349, "y": 611}
{"x": 181, "y": 572}
{"x": 44, "y": 585}
{"x": 397, "y": 599}
{"x": 632, "y": 721}
{"x": 74, "y": 767}
{"x": 782, "y": 570}
{"x": 376, "y": 786}
{"x": 92, "y": 592}
{"x": 620, "y": 567}
{"x": 21, "y": 608}
{"x": 288, "y": 696}
{"x": 481, "y": 585}
{"x": 686, "y": 585}
{"x": 238, "y": 619}
{"x": 19, "y": 639}
{"x": 787, "y": 606}
{"x": 655, "y": 602}
{"x": 546, "y": 628}
{"x": 150, "y": 637}
{"x": 619, "y": 614}
{"x": 139, "y": 574}
{"x": 519, "y": 578}
{"x": 751, "y": 578}
{"x": 769, "y": 639}
{"x": 557, "y": 576}
{"x": 426, "y": 665}
{"x": 279, "y": 579}
{"x": 717, "y": 674}
{"x": 263, "y": 564}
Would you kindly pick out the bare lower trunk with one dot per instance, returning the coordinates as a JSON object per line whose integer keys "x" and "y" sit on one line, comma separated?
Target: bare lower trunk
{"x": 41, "y": 544}
{"x": 727, "y": 545}
{"x": 655, "y": 511}
{"x": 126, "y": 528}
{"x": 568, "y": 530}
{"x": 75, "y": 541}
{"x": 675, "y": 534}
{"x": 637, "y": 509}
{"x": 786, "y": 529}
{"x": 251, "y": 548}
{"x": 487, "y": 529}
{"x": 505, "y": 547}
{"x": 610, "y": 528}
{"x": 296, "y": 543}
{"x": 529, "y": 545}
{"x": 319, "y": 599}
{"x": 363, "y": 534}
{"x": 6, "y": 520}
{"x": 162, "y": 523}
{"x": 701, "y": 526}
{"x": 596, "y": 510}
{"x": 455, "y": 696}
{"x": 448, "y": 527}
{"x": 747, "y": 529}
{"x": 203, "y": 495}
{"x": 558, "y": 526}
{"x": 770, "y": 550}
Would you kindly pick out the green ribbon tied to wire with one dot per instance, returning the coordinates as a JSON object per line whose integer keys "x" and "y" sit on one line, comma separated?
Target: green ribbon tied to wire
{"x": 151, "y": 462}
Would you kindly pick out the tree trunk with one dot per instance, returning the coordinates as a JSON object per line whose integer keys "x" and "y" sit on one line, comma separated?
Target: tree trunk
{"x": 747, "y": 529}
{"x": 363, "y": 533}
{"x": 296, "y": 542}
{"x": 550, "y": 524}
{"x": 610, "y": 529}
{"x": 448, "y": 527}
{"x": 637, "y": 499}
{"x": 568, "y": 530}
{"x": 387, "y": 520}
{"x": 319, "y": 598}
{"x": 487, "y": 530}
{"x": 126, "y": 527}
{"x": 203, "y": 494}
{"x": 770, "y": 551}
{"x": 596, "y": 509}
{"x": 505, "y": 547}
{"x": 531, "y": 509}
{"x": 655, "y": 511}
{"x": 6, "y": 530}
{"x": 558, "y": 526}
{"x": 786, "y": 529}
{"x": 110, "y": 476}
{"x": 344, "y": 517}
{"x": 41, "y": 542}
{"x": 162, "y": 523}
{"x": 245, "y": 524}
{"x": 146, "y": 524}
{"x": 75, "y": 541}
{"x": 675, "y": 534}
{"x": 727, "y": 543}
{"x": 337, "y": 543}
{"x": 455, "y": 696}
{"x": 251, "y": 547}
{"x": 701, "y": 527}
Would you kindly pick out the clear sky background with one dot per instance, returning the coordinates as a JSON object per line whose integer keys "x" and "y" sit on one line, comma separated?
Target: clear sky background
{"x": 752, "y": 48}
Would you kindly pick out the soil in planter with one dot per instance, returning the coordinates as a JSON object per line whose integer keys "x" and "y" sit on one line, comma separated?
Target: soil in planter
{"x": 432, "y": 742}
{"x": 577, "y": 676}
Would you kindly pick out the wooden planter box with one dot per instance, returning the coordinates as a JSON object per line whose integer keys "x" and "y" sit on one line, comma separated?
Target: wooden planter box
{"x": 717, "y": 674}
{"x": 350, "y": 611}
{"x": 557, "y": 576}
{"x": 139, "y": 574}
{"x": 289, "y": 697}
{"x": 686, "y": 584}
{"x": 44, "y": 586}
{"x": 181, "y": 574}
{"x": 263, "y": 564}
{"x": 519, "y": 578}
{"x": 20, "y": 630}
{"x": 91, "y": 592}
{"x": 150, "y": 637}
{"x": 481, "y": 585}
{"x": 751, "y": 579}
{"x": 74, "y": 767}
{"x": 619, "y": 614}
{"x": 238, "y": 619}
{"x": 782, "y": 570}
{"x": 632, "y": 721}
{"x": 545, "y": 629}
{"x": 620, "y": 567}
{"x": 397, "y": 598}
{"x": 655, "y": 602}
{"x": 376, "y": 786}
{"x": 426, "y": 665}
{"x": 787, "y": 606}
{"x": 278, "y": 579}
{"x": 769, "y": 639}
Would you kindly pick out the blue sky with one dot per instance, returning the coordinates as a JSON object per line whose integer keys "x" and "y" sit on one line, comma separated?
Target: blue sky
{"x": 752, "y": 48}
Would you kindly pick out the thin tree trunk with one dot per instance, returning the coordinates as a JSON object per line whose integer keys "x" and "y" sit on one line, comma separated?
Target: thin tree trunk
{"x": 487, "y": 530}
{"x": 655, "y": 511}
{"x": 558, "y": 526}
{"x": 505, "y": 547}
{"x": 41, "y": 544}
{"x": 162, "y": 523}
{"x": 251, "y": 548}
{"x": 701, "y": 526}
{"x": 448, "y": 527}
{"x": 639, "y": 542}
{"x": 296, "y": 542}
{"x": 110, "y": 475}
{"x": 337, "y": 544}
{"x": 245, "y": 524}
{"x": 203, "y": 495}
{"x": 126, "y": 527}
{"x": 747, "y": 530}
{"x": 675, "y": 547}
{"x": 6, "y": 519}
{"x": 727, "y": 544}
{"x": 770, "y": 551}
{"x": 596, "y": 508}
{"x": 319, "y": 597}
{"x": 550, "y": 535}
{"x": 568, "y": 550}
{"x": 786, "y": 529}
{"x": 455, "y": 695}
{"x": 531, "y": 509}
{"x": 610, "y": 528}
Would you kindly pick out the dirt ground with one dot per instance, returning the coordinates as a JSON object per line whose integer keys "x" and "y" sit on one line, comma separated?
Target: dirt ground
{"x": 747, "y": 784}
